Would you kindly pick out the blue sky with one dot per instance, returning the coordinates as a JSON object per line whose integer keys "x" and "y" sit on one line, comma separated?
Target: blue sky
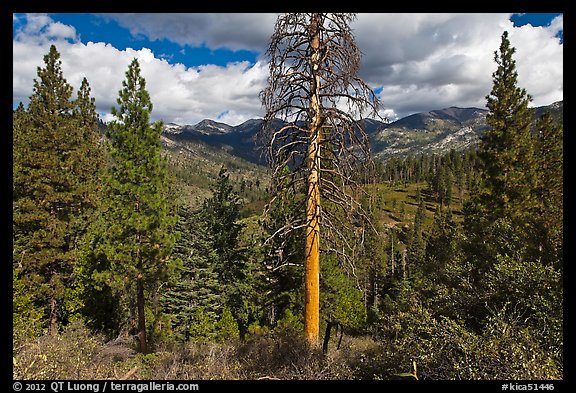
{"x": 212, "y": 65}
{"x": 99, "y": 28}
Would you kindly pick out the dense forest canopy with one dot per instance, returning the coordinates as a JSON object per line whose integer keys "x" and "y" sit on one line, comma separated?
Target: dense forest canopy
{"x": 454, "y": 269}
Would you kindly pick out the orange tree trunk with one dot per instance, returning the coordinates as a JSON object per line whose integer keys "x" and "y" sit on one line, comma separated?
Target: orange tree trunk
{"x": 312, "y": 264}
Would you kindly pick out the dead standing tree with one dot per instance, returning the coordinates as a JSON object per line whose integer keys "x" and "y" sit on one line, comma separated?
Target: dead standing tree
{"x": 321, "y": 148}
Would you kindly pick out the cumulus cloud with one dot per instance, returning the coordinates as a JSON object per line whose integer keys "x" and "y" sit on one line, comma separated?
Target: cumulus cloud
{"x": 430, "y": 61}
{"x": 417, "y": 62}
{"x": 539, "y": 59}
{"x": 40, "y": 27}
{"x": 216, "y": 31}
{"x": 180, "y": 94}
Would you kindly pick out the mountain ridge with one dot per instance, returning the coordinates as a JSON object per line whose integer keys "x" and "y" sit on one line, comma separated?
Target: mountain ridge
{"x": 435, "y": 131}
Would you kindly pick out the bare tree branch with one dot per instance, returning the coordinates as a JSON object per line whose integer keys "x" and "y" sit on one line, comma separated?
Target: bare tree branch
{"x": 313, "y": 133}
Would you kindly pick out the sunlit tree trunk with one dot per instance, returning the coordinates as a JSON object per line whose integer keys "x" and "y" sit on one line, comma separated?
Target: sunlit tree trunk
{"x": 312, "y": 265}
{"x": 314, "y": 89}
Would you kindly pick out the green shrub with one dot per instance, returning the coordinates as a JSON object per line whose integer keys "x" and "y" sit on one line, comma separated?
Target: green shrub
{"x": 226, "y": 327}
{"x": 201, "y": 327}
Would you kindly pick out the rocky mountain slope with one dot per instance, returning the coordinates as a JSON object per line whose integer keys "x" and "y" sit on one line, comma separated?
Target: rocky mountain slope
{"x": 436, "y": 131}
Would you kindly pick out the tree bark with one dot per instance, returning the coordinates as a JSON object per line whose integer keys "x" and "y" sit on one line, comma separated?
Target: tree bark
{"x": 53, "y": 316}
{"x": 140, "y": 290}
{"x": 141, "y": 314}
{"x": 312, "y": 265}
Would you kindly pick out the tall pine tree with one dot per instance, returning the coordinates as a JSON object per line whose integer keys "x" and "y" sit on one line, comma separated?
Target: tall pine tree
{"x": 138, "y": 213}
{"x": 507, "y": 147}
{"x": 507, "y": 194}
{"x": 89, "y": 169}
{"x": 550, "y": 189}
{"x": 51, "y": 187}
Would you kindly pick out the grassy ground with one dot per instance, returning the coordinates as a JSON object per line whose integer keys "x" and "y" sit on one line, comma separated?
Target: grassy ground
{"x": 398, "y": 203}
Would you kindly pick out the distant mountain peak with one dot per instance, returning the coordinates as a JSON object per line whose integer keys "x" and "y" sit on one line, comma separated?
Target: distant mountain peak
{"x": 210, "y": 126}
{"x": 436, "y": 131}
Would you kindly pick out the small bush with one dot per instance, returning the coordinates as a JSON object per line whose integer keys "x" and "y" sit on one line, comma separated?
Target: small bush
{"x": 444, "y": 349}
{"x": 226, "y": 327}
{"x": 65, "y": 356}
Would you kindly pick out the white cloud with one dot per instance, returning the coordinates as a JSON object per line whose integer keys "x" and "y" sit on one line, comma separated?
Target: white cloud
{"x": 179, "y": 94}
{"x": 430, "y": 61}
{"x": 539, "y": 59}
{"x": 220, "y": 30}
{"x": 40, "y": 27}
{"x": 556, "y": 25}
{"x": 420, "y": 61}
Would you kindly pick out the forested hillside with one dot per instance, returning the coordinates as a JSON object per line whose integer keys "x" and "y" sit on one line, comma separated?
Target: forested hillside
{"x": 140, "y": 255}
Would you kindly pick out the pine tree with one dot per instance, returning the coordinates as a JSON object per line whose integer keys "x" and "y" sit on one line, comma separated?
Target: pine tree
{"x": 340, "y": 298}
{"x": 50, "y": 188}
{"x": 505, "y": 200}
{"x": 507, "y": 148}
{"x": 26, "y": 316}
{"x": 372, "y": 269}
{"x": 441, "y": 244}
{"x": 89, "y": 167}
{"x": 89, "y": 157}
{"x": 138, "y": 212}
{"x": 416, "y": 244}
{"x": 226, "y": 328}
{"x": 221, "y": 213}
{"x": 550, "y": 189}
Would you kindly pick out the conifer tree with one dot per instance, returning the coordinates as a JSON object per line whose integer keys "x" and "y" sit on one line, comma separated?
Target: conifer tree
{"x": 138, "y": 212}
{"x": 441, "y": 244}
{"x": 550, "y": 188}
{"x": 89, "y": 157}
{"x": 416, "y": 244}
{"x": 195, "y": 284}
{"x": 221, "y": 214}
{"x": 506, "y": 196}
{"x": 50, "y": 187}
{"x": 507, "y": 147}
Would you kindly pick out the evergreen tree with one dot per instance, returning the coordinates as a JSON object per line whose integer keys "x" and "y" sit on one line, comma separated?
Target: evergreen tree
{"x": 372, "y": 267}
{"x": 195, "y": 284}
{"x": 137, "y": 215}
{"x": 54, "y": 163}
{"x": 505, "y": 201}
{"x": 416, "y": 242}
{"x": 226, "y": 327}
{"x": 283, "y": 256}
{"x": 221, "y": 214}
{"x": 340, "y": 298}
{"x": 507, "y": 148}
{"x": 447, "y": 186}
{"x": 202, "y": 326}
{"x": 550, "y": 189}
{"x": 441, "y": 244}
{"x": 89, "y": 169}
